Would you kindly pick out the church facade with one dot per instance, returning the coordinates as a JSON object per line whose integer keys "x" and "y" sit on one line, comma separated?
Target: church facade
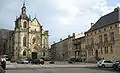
{"x": 30, "y": 39}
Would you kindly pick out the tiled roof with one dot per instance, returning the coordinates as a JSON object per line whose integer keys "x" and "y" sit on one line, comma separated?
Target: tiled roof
{"x": 108, "y": 19}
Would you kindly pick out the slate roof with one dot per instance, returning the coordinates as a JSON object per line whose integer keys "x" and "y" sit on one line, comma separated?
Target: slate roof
{"x": 108, "y": 19}
{"x": 24, "y": 16}
{"x": 4, "y": 33}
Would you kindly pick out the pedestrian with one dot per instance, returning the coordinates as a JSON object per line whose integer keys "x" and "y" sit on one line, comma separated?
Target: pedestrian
{"x": 3, "y": 64}
{"x": 1, "y": 69}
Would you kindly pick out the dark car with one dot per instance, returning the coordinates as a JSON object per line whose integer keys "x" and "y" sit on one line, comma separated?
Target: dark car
{"x": 37, "y": 61}
{"x": 51, "y": 62}
{"x": 73, "y": 59}
{"x": 70, "y": 62}
{"x": 115, "y": 64}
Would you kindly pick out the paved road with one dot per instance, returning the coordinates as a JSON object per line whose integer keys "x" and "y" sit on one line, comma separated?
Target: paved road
{"x": 63, "y": 70}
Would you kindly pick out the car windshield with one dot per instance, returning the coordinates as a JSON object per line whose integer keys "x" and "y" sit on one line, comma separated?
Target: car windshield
{"x": 108, "y": 62}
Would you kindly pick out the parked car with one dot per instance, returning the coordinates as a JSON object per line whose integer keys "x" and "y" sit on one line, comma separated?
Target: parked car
{"x": 73, "y": 59}
{"x": 51, "y": 62}
{"x": 29, "y": 60}
{"x": 22, "y": 61}
{"x": 46, "y": 58}
{"x": 115, "y": 64}
{"x": 12, "y": 61}
{"x": 118, "y": 66}
{"x": 70, "y": 62}
{"x": 25, "y": 61}
{"x": 41, "y": 61}
{"x": 105, "y": 63}
{"x": 37, "y": 61}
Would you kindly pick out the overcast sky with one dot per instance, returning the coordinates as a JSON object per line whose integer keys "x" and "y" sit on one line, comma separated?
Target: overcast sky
{"x": 60, "y": 17}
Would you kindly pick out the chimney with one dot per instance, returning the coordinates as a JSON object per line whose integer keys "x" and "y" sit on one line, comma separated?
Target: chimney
{"x": 73, "y": 34}
{"x": 60, "y": 39}
{"x": 92, "y": 24}
{"x": 117, "y": 8}
{"x": 54, "y": 42}
{"x": 68, "y": 36}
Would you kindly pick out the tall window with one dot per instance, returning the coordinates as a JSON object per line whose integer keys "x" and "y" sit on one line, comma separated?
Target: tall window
{"x": 111, "y": 49}
{"x": 106, "y": 50}
{"x": 100, "y": 38}
{"x": 24, "y": 24}
{"x": 101, "y": 51}
{"x": 112, "y": 36}
{"x": 33, "y": 40}
{"x": 105, "y": 38}
{"x": 92, "y": 42}
{"x": 87, "y": 41}
{"x": 90, "y": 51}
{"x": 24, "y": 41}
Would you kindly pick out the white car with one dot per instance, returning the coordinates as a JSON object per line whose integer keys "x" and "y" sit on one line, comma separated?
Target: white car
{"x": 25, "y": 61}
{"x": 105, "y": 63}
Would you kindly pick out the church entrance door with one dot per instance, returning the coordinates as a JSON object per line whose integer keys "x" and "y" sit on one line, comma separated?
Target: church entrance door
{"x": 34, "y": 55}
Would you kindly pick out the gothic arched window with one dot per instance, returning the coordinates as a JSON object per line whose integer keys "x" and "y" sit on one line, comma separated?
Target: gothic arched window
{"x": 24, "y": 24}
{"x": 24, "y": 41}
{"x": 24, "y": 53}
{"x": 33, "y": 40}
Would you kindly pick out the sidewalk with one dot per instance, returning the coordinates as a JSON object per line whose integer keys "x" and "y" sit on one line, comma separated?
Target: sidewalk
{"x": 66, "y": 63}
{"x": 58, "y": 65}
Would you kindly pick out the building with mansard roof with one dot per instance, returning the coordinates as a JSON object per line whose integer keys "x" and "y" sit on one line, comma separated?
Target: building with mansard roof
{"x": 30, "y": 38}
{"x": 103, "y": 38}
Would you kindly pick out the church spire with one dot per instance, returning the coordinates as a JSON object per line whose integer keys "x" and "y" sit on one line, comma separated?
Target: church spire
{"x": 24, "y": 3}
{"x": 24, "y": 8}
{"x": 23, "y": 12}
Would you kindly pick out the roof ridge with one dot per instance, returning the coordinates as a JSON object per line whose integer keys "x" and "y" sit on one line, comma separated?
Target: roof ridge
{"x": 107, "y": 19}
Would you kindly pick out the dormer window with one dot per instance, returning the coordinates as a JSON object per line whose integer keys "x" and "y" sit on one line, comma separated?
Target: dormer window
{"x": 24, "y": 24}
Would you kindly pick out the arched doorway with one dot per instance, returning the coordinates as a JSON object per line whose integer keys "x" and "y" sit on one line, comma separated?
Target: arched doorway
{"x": 34, "y": 53}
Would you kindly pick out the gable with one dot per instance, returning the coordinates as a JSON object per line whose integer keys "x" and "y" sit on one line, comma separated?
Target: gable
{"x": 35, "y": 22}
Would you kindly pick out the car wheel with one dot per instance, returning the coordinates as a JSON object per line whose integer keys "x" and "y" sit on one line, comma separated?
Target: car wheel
{"x": 119, "y": 67}
{"x": 103, "y": 66}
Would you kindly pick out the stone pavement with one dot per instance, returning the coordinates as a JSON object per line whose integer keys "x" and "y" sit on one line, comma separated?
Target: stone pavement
{"x": 46, "y": 65}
